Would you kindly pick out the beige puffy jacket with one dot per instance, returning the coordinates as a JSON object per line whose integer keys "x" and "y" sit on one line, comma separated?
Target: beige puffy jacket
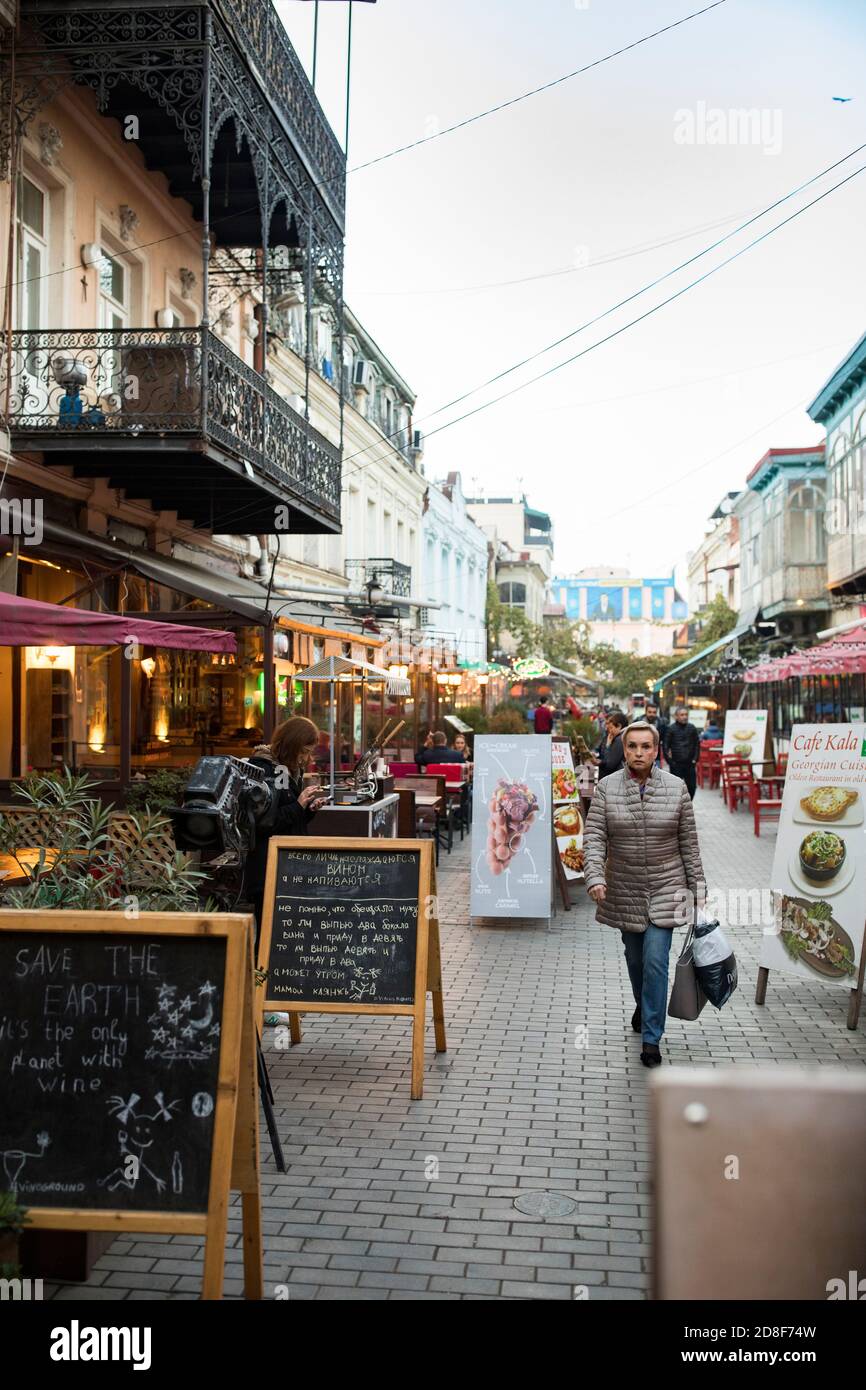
{"x": 644, "y": 850}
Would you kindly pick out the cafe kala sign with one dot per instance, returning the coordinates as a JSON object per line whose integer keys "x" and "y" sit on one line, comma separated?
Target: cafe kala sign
{"x": 819, "y": 868}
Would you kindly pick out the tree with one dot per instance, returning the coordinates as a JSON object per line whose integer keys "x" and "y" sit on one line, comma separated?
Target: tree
{"x": 493, "y": 618}
{"x": 717, "y": 620}
{"x": 527, "y": 636}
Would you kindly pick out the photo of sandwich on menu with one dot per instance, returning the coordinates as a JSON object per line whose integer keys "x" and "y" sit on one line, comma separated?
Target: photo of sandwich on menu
{"x": 830, "y": 805}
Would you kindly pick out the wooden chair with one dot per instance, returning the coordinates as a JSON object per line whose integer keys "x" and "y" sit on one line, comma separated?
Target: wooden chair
{"x": 456, "y": 789}
{"x": 705, "y": 766}
{"x": 724, "y": 762}
{"x": 426, "y": 785}
{"x": 764, "y": 802}
{"x": 739, "y": 780}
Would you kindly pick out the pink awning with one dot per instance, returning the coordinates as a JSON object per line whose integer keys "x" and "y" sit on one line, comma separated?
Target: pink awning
{"x": 26, "y": 622}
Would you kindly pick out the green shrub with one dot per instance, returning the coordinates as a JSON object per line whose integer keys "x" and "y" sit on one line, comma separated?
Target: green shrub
{"x": 90, "y": 869}
{"x": 508, "y": 721}
{"x": 160, "y": 790}
{"x": 474, "y": 716}
{"x": 13, "y": 1216}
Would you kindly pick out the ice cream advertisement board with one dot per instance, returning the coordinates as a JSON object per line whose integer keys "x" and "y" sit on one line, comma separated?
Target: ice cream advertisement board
{"x": 511, "y": 826}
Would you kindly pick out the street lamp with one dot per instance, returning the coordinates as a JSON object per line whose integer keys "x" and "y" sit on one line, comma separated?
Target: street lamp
{"x": 375, "y": 592}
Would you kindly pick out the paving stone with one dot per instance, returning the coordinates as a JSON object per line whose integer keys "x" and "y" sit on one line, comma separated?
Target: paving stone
{"x": 512, "y": 1107}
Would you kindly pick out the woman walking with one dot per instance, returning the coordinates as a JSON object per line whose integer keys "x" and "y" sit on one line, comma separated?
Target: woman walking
{"x": 642, "y": 870}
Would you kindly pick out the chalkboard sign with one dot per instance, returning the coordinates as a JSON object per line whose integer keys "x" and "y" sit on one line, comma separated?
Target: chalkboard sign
{"x": 117, "y": 1039}
{"x": 345, "y": 926}
{"x": 350, "y": 926}
{"x": 109, "y": 1050}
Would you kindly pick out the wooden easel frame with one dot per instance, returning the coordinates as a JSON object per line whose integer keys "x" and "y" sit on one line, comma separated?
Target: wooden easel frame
{"x": 235, "y": 1150}
{"x": 428, "y": 962}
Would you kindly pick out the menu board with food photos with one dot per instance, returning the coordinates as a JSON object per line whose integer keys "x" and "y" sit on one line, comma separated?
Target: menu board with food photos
{"x": 747, "y": 735}
{"x": 567, "y": 817}
{"x": 819, "y": 868}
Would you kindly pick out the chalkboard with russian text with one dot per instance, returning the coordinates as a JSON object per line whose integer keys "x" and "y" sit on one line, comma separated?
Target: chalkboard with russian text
{"x": 343, "y": 926}
{"x": 109, "y": 1064}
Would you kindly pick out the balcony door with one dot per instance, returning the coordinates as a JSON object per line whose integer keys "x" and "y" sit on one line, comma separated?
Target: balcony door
{"x": 114, "y": 297}
{"x": 32, "y": 272}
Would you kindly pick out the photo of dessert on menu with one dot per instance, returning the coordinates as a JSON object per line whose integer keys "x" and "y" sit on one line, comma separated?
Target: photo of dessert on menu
{"x": 819, "y": 868}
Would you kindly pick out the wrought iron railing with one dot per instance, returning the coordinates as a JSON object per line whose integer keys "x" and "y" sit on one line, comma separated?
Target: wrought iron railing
{"x": 140, "y": 382}
{"x": 395, "y": 577}
{"x": 259, "y": 30}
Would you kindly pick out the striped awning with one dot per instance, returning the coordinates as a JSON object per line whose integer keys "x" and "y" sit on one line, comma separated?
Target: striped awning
{"x": 344, "y": 668}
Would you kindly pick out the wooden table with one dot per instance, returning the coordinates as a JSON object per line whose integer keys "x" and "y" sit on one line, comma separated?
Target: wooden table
{"x": 13, "y": 867}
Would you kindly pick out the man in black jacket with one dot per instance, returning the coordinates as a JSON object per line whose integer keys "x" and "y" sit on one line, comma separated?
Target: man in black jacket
{"x": 682, "y": 747}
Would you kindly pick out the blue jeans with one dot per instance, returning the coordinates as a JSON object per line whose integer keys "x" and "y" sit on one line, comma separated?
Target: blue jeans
{"x": 646, "y": 955}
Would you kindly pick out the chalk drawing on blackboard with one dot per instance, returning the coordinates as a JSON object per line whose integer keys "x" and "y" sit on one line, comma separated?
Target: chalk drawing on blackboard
{"x": 176, "y": 1173}
{"x": 15, "y": 1159}
{"x": 178, "y": 1033}
{"x": 135, "y": 1139}
{"x": 202, "y": 1105}
{"x": 363, "y": 982}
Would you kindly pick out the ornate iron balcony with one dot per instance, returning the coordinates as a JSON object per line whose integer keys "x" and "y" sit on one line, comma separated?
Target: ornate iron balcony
{"x": 115, "y": 402}
{"x": 395, "y": 577}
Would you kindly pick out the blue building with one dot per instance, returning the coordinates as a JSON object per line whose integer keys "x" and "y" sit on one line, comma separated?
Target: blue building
{"x": 636, "y": 615}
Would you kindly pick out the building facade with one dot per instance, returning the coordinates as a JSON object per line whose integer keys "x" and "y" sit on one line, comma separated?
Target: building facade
{"x": 520, "y": 540}
{"x": 714, "y": 568}
{"x": 840, "y": 407}
{"x": 153, "y": 430}
{"x": 632, "y": 615}
{"x": 783, "y": 543}
{"x": 455, "y": 571}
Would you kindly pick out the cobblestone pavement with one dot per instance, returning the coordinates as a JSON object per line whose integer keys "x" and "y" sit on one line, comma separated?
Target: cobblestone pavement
{"x": 512, "y": 1107}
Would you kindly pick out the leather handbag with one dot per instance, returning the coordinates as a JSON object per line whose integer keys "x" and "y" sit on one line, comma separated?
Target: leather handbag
{"x": 687, "y": 998}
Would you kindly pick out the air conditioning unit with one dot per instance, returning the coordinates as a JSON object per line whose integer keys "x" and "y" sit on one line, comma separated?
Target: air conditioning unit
{"x": 417, "y": 442}
{"x": 362, "y": 375}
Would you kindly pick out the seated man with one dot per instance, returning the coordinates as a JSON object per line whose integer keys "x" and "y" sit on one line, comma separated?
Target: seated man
{"x": 439, "y": 753}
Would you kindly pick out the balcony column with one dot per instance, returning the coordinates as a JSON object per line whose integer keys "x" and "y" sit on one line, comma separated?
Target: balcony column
{"x": 205, "y": 222}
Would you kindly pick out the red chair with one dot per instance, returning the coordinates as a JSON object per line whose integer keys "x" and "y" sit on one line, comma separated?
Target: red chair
{"x": 727, "y": 760}
{"x": 782, "y": 764}
{"x": 708, "y": 764}
{"x": 764, "y": 802}
{"x": 403, "y": 769}
{"x": 740, "y": 781}
{"x": 457, "y": 792}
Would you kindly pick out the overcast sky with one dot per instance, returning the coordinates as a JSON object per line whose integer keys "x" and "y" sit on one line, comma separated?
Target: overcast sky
{"x": 630, "y": 447}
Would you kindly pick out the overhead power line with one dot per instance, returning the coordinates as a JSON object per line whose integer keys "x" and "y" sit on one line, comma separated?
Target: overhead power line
{"x": 630, "y": 298}
{"x": 536, "y": 91}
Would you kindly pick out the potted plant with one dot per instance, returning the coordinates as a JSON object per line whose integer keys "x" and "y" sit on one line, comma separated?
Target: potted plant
{"x": 82, "y": 865}
{"x": 13, "y": 1218}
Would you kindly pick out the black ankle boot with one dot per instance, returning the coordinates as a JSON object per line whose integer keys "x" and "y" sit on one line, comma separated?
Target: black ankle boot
{"x": 651, "y": 1055}
{"x": 635, "y": 1019}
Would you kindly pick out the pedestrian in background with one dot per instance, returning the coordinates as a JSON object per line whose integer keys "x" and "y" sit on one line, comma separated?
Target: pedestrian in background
{"x": 653, "y": 717}
{"x": 682, "y": 748}
{"x": 640, "y": 853}
{"x": 609, "y": 752}
{"x": 543, "y": 717}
